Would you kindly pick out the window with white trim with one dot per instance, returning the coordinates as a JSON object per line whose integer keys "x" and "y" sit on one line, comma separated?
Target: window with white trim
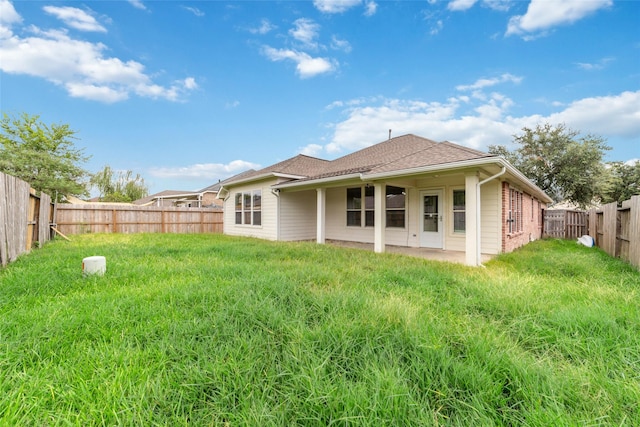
{"x": 395, "y": 206}
{"x": 248, "y": 207}
{"x": 459, "y": 211}
{"x": 515, "y": 211}
{"x": 356, "y": 209}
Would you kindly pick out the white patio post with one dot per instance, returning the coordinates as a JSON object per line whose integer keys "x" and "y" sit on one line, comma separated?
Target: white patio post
{"x": 472, "y": 210}
{"x": 378, "y": 217}
{"x": 321, "y": 197}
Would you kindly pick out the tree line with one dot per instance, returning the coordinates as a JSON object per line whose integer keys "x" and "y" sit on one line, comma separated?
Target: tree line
{"x": 564, "y": 164}
{"x": 46, "y": 157}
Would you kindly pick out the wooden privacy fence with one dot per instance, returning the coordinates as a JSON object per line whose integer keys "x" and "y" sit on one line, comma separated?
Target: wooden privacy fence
{"x": 25, "y": 218}
{"x": 100, "y": 218}
{"x": 617, "y": 230}
{"x": 565, "y": 224}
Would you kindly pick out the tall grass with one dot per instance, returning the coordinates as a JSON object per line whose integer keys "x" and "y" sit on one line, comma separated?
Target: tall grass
{"x": 215, "y": 330}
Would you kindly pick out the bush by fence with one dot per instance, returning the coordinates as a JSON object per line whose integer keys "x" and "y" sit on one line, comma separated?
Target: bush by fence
{"x": 101, "y": 218}
{"x": 25, "y": 218}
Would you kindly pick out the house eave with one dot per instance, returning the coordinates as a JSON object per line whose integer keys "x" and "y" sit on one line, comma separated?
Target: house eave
{"x": 261, "y": 177}
{"x": 318, "y": 182}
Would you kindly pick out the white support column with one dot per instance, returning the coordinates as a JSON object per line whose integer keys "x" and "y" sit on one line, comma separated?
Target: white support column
{"x": 472, "y": 210}
{"x": 320, "y": 214}
{"x": 379, "y": 216}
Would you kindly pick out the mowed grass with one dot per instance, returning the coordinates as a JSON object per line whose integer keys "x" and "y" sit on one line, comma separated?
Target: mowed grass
{"x": 221, "y": 331}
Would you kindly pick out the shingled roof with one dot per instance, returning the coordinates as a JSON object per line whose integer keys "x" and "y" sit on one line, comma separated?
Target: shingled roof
{"x": 396, "y": 154}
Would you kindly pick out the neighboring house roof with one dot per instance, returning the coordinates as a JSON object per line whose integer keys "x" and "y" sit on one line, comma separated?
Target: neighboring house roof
{"x": 402, "y": 155}
{"x": 166, "y": 194}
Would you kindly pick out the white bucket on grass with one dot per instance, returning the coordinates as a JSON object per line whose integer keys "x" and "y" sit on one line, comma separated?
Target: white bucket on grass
{"x": 94, "y": 265}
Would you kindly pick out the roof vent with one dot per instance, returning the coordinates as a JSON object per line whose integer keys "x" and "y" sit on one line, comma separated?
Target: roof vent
{"x": 389, "y": 133}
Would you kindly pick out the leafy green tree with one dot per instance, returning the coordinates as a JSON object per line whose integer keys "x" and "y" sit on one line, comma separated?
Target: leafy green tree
{"x": 119, "y": 186}
{"x": 623, "y": 182}
{"x": 44, "y": 156}
{"x": 560, "y": 162}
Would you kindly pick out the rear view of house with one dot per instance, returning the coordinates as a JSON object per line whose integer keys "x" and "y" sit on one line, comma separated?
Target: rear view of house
{"x": 406, "y": 191}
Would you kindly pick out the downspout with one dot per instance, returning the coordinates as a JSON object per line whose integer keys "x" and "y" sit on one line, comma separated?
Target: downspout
{"x": 479, "y": 215}
{"x": 276, "y": 192}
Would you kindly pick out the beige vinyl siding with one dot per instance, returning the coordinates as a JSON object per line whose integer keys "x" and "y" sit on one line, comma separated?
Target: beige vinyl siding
{"x": 298, "y": 215}
{"x": 268, "y": 230}
{"x": 491, "y": 213}
{"x": 336, "y": 219}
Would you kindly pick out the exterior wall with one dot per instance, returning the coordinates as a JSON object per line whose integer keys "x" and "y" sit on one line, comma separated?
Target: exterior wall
{"x": 491, "y": 211}
{"x": 298, "y": 215}
{"x": 336, "y": 227}
{"x": 336, "y": 219}
{"x": 269, "y": 228}
{"x": 531, "y": 220}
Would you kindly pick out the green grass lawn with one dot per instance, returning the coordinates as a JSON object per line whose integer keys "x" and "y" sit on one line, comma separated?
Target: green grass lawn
{"x": 214, "y": 330}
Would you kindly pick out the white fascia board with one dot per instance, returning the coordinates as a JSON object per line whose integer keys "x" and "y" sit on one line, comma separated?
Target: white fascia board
{"x": 261, "y": 177}
{"x": 318, "y": 182}
{"x": 485, "y": 161}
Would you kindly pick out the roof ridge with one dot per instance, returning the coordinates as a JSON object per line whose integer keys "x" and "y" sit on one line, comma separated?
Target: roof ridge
{"x": 465, "y": 148}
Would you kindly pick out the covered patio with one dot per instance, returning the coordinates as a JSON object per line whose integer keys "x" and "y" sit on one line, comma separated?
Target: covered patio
{"x": 457, "y": 257}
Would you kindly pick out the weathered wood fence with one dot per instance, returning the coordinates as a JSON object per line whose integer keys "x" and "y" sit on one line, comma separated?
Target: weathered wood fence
{"x": 565, "y": 224}
{"x": 25, "y": 218}
{"x": 101, "y": 218}
{"x": 615, "y": 230}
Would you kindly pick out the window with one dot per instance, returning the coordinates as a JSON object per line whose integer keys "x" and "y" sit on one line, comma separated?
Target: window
{"x": 459, "y": 211}
{"x": 248, "y": 207}
{"x": 355, "y": 207}
{"x": 515, "y": 211}
{"x": 395, "y": 206}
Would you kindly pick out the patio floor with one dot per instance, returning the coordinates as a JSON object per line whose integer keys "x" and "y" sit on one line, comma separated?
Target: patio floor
{"x": 426, "y": 253}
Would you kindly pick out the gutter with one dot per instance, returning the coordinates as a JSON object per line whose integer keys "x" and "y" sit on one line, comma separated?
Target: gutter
{"x": 479, "y": 212}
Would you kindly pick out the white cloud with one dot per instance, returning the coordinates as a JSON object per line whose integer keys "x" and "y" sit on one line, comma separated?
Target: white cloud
{"x": 312, "y": 150}
{"x": 342, "y": 45}
{"x": 204, "y": 170}
{"x": 483, "y": 83}
{"x": 542, "y": 15}
{"x": 194, "y": 10}
{"x": 488, "y": 123}
{"x": 305, "y": 31}
{"x": 81, "y": 67}
{"x": 335, "y": 6}
{"x": 138, "y": 4}
{"x": 594, "y": 66}
{"x": 8, "y": 17}
{"x": 75, "y": 18}
{"x": 264, "y": 28}
{"x": 460, "y": 5}
{"x": 306, "y": 66}
{"x": 370, "y": 8}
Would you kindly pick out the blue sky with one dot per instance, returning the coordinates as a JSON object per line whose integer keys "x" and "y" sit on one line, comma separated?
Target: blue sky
{"x": 189, "y": 92}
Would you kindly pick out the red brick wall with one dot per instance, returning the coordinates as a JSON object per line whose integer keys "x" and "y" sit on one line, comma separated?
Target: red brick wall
{"x": 531, "y": 220}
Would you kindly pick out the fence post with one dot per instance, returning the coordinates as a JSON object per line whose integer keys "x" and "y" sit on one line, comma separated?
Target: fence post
{"x": 634, "y": 231}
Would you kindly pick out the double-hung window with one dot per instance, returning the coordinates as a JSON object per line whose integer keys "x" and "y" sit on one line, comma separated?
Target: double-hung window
{"x": 459, "y": 211}
{"x": 356, "y": 209}
{"x": 395, "y": 206}
{"x": 248, "y": 207}
{"x": 515, "y": 211}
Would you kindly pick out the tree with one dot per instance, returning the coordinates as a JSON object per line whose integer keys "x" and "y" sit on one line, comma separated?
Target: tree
{"x": 623, "y": 182}
{"x": 44, "y": 156}
{"x": 560, "y": 162}
{"x": 119, "y": 186}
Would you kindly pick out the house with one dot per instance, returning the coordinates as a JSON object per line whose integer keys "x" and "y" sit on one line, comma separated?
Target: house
{"x": 205, "y": 198}
{"x": 406, "y": 191}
